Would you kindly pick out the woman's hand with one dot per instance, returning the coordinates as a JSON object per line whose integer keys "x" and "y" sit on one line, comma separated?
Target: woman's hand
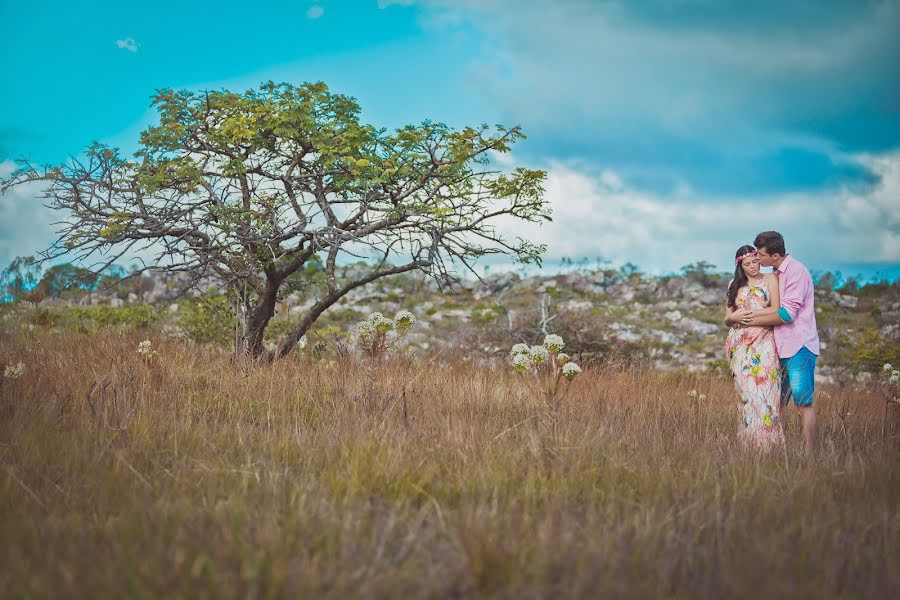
{"x": 741, "y": 317}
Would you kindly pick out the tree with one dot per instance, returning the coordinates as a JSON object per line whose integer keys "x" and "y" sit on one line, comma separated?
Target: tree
{"x": 67, "y": 277}
{"x": 249, "y": 187}
{"x": 630, "y": 270}
{"x": 702, "y": 272}
{"x": 18, "y": 280}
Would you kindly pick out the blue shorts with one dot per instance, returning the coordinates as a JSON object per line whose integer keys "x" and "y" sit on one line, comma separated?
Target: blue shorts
{"x": 798, "y": 377}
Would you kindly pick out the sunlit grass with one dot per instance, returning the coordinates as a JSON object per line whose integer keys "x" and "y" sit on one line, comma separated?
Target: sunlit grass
{"x": 282, "y": 481}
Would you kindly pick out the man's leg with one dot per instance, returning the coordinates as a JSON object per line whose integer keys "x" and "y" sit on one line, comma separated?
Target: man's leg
{"x": 801, "y": 373}
{"x": 808, "y": 422}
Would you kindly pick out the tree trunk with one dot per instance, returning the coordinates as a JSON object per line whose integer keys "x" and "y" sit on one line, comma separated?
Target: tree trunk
{"x": 259, "y": 318}
{"x": 303, "y": 326}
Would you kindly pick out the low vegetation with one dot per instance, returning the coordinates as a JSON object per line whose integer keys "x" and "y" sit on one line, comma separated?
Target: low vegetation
{"x": 148, "y": 465}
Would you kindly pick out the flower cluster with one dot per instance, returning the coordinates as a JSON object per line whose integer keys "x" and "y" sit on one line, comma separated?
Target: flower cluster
{"x": 521, "y": 362}
{"x": 554, "y": 343}
{"x": 894, "y": 377}
{"x": 372, "y": 334}
{"x": 539, "y": 355}
{"x": 525, "y": 357}
{"x": 570, "y": 370}
{"x": 696, "y": 396}
{"x": 518, "y": 349}
{"x": 542, "y": 368}
{"x": 14, "y": 371}
{"x": 404, "y": 320}
{"x": 145, "y": 350}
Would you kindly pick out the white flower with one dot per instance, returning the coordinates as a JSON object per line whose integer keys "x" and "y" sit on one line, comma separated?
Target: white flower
{"x": 888, "y": 367}
{"x": 14, "y": 371}
{"x": 521, "y": 362}
{"x": 692, "y": 394}
{"x": 383, "y": 324}
{"x": 365, "y": 331}
{"x": 554, "y": 343}
{"x": 144, "y": 351}
{"x": 375, "y": 317}
{"x": 570, "y": 370}
{"x": 562, "y": 358}
{"x": 519, "y": 349}
{"x": 538, "y": 355}
{"x": 895, "y": 377}
{"x": 702, "y": 397}
{"x": 404, "y": 320}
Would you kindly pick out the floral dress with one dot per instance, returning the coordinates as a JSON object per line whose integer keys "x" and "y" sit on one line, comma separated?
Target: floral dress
{"x": 755, "y": 368}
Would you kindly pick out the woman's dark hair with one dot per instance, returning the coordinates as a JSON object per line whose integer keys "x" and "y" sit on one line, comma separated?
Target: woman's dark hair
{"x": 771, "y": 241}
{"x": 740, "y": 278}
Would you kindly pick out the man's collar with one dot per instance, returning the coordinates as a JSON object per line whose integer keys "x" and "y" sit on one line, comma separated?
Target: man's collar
{"x": 784, "y": 264}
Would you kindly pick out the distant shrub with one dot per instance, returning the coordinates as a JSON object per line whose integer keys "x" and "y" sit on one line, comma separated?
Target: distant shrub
{"x": 137, "y": 315}
{"x": 871, "y": 350}
{"x": 701, "y": 272}
{"x": 208, "y": 319}
{"x": 44, "y": 317}
{"x": 719, "y": 367}
{"x": 86, "y": 318}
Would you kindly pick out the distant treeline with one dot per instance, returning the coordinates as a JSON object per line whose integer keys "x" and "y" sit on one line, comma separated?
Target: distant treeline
{"x": 26, "y": 279}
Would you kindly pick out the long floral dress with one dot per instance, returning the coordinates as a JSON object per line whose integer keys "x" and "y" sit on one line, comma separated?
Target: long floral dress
{"x": 755, "y": 368}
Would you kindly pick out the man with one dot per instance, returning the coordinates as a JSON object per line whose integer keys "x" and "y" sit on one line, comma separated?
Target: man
{"x": 796, "y": 337}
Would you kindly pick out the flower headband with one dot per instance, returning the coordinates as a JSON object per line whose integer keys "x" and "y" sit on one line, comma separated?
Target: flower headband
{"x": 743, "y": 256}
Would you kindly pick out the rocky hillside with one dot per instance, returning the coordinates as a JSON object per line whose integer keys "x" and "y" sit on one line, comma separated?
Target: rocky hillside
{"x": 669, "y": 322}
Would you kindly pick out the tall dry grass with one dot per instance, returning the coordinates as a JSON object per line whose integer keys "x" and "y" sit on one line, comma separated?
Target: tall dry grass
{"x": 189, "y": 478}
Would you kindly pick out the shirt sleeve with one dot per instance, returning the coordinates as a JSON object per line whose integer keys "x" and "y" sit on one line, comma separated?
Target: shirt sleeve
{"x": 792, "y": 297}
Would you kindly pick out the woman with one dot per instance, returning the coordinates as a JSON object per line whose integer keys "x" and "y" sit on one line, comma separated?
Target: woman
{"x": 751, "y": 351}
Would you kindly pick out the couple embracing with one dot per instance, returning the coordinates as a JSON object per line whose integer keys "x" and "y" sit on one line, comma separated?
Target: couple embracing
{"x": 773, "y": 344}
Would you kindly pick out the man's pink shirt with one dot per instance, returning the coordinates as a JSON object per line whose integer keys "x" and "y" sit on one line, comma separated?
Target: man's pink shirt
{"x": 798, "y": 300}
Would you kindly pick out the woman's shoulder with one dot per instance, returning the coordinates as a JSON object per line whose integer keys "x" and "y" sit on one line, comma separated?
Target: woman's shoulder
{"x": 771, "y": 278}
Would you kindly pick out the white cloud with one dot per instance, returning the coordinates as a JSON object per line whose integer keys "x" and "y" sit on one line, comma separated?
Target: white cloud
{"x": 876, "y": 215}
{"x": 314, "y": 12}
{"x": 128, "y": 44}
{"x": 26, "y": 226}
{"x": 664, "y": 88}
{"x": 382, "y": 4}
{"x": 600, "y": 215}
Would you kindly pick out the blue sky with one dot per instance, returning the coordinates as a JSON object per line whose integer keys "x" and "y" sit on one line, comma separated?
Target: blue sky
{"x": 673, "y": 130}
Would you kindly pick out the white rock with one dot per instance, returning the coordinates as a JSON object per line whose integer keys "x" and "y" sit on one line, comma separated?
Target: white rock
{"x": 578, "y": 304}
{"x": 845, "y": 301}
{"x": 695, "y": 326}
{"x": 666, "y": 337}
{"x": 628, "y": 336}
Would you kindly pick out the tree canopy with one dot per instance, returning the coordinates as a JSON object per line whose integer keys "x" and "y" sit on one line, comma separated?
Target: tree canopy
{"x": 250, "y": 187}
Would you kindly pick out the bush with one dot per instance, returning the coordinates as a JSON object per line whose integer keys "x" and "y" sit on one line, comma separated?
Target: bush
{"x": 871, "y": 350}
{"x": 208, "y": 319}
{"x": 701, "y": 272}
{"x": 87, "y": 318}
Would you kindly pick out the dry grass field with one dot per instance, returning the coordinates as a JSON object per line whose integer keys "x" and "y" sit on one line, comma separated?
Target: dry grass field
{"x": 186, "y": 477}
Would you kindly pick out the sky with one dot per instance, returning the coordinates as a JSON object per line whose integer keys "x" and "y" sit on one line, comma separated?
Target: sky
{"x": 672, "y": 131}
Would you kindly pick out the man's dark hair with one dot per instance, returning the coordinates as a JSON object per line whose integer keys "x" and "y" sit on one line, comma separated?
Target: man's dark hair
{"x": 771, "y": 241}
